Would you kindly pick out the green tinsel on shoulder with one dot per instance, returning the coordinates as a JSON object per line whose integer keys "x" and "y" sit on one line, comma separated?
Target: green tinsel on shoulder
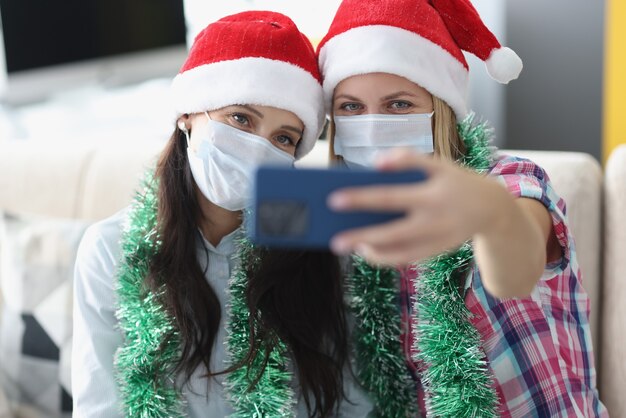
{"x": 272, "y": 395}
{"x": 151, "y": 343}
{"x": 477, "y": 137}
{"x": 457, "y": 380}
{"x": 381, "y": 367}
{"x": 144, "y": 364}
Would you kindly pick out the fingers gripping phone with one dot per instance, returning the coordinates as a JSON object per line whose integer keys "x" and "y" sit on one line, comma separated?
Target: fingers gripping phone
{"x": 290, "y": 205}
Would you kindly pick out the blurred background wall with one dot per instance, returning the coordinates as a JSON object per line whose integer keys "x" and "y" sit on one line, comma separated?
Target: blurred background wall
{"x": 557, "y": 102}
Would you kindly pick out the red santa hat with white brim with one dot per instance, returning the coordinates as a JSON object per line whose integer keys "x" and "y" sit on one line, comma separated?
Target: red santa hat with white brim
{"x": 254, "y": 58}
{"x": 421, "y": 40}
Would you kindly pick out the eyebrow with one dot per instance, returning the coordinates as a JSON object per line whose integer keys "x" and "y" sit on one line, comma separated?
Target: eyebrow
{"x": 285, "y": 127}
{"x": 260, "y": 115}
{"x": 293, "y": 129}
{"x": 252, "y": 110}
{"x": 398, "y": 94}
{"x": 347, "y": 96}
{"x": 388, "y": 97}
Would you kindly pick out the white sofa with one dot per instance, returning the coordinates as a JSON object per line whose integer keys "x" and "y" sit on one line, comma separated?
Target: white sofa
{"x": 92, "y": 181}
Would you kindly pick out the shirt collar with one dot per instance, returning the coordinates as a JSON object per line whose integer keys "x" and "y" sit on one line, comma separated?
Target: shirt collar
{"x": 226, "y": 246}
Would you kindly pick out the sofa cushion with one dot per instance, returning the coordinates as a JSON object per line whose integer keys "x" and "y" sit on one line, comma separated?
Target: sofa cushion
{"x": 37, "y": 258}
{"x": 42, "y": 178}
{"x": 577, "y": 178}
{"x": 84, "y": 180}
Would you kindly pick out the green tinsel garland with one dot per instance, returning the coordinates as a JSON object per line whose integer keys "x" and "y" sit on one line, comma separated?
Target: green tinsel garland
{"x": 457, "y": 381}
{"x": 143, "y": 364}
{"x": 272, "y": 395}
{"x": 381, "y": 367}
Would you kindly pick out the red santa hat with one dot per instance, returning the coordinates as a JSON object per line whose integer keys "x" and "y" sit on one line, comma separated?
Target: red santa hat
{"x": 258, "y": 58}
{"x": 420, "y": 40}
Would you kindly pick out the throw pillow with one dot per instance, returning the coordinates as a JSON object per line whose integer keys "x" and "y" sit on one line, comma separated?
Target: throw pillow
{"x": 36, "y": 274}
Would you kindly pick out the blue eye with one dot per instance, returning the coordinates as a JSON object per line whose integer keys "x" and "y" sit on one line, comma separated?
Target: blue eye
{"x": 284, "y": 140}
{"x": 240, "y": 118}
{"x": 400, "y": 105}
{"x": 351, "y": 107}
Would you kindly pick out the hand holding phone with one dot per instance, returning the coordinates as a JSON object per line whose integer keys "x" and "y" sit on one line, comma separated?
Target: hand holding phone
{"x": 290, "y": 205}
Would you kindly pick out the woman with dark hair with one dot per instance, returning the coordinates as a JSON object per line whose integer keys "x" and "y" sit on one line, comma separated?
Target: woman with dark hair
{"x": 176, "y": 313}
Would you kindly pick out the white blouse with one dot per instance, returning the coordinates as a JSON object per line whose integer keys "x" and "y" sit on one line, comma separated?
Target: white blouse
{"x": 97, "y": 336}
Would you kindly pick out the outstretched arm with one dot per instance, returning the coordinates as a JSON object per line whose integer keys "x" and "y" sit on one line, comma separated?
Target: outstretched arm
{"x": 512, "y": 237}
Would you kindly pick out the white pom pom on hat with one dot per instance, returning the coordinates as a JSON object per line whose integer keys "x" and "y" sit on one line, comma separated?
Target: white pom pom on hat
{"x": 504, "y": 65}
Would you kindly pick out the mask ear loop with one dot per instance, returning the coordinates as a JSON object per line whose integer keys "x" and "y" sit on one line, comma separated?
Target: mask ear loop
{"x": 183, "y": 128}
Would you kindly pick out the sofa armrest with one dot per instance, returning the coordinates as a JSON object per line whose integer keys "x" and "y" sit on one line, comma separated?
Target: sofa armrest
{"x": 613, "y": 365}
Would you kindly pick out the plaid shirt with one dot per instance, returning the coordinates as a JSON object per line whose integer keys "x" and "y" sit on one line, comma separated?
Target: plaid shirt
{"x": 539, "y": 347}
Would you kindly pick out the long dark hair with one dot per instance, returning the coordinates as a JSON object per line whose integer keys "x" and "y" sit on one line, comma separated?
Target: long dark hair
{"x": 296, "y": 296}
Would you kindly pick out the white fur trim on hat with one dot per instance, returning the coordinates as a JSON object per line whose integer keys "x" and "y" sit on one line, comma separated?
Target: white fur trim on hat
{"x": 504, "y": 65}
{"x": 253, "y": 81}
{"x": 366, "y": 49}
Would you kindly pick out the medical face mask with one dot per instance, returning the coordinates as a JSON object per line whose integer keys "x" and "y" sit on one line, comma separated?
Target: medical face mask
{"x": 359, "y": 139}
{"x": 225, "y": 161}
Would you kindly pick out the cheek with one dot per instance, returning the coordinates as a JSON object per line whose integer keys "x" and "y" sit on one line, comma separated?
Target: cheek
{"x": 194, "y": 143}
{"x": 197, "y": 122}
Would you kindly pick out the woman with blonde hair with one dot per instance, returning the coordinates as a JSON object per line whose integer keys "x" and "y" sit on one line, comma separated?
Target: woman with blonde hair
{"x": 493, "y": 318}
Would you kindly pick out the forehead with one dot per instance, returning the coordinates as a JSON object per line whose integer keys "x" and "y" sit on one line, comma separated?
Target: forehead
{"x": 377, "y": 85}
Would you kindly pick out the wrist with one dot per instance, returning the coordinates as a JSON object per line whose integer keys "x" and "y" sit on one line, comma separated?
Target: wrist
{"x": 501, "y": 213}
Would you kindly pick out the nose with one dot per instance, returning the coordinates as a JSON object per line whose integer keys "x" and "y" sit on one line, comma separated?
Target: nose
{"x": 265, "y": 132}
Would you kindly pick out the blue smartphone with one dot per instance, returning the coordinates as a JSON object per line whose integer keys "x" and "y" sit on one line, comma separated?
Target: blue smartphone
{"x": 289, "y": 205}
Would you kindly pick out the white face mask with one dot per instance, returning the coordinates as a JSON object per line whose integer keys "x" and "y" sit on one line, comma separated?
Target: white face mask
{"x": 225, "y": 161}
{"x": 359, "y": 139}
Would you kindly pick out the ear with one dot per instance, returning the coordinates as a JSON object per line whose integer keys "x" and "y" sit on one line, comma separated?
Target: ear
{"x": 182, "y": 123}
